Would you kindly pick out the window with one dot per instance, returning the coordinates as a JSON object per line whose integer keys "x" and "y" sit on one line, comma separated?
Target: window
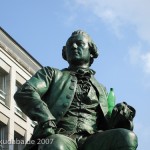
{"x": 19, "y": 141}
{"x": 2, "y": 86}
{"x": 3, "y": 136}
{"x": 17, "y": 109}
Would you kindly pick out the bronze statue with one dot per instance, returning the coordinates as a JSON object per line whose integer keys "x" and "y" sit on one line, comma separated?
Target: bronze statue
{"x": 71, "y": 107}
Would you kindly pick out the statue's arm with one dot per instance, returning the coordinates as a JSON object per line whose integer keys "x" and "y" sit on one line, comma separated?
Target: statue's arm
{"x": 29, "y": 96}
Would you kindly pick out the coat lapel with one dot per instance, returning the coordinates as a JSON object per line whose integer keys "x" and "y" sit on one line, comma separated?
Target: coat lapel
{"x": 102, "y": 95}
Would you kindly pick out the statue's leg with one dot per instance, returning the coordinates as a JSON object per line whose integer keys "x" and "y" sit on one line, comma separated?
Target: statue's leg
{"x": 58, "y": 142}
{"x": 115, "y": 139}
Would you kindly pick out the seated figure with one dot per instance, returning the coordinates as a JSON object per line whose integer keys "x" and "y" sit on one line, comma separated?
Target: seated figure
{"x": 71, "y": 106}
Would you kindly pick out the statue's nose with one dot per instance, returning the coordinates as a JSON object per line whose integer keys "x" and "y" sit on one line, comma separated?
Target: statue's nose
{"x": 74, "y": 45}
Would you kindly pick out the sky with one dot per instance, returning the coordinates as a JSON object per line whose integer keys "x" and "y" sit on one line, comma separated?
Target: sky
{"x": 119, "y": 28}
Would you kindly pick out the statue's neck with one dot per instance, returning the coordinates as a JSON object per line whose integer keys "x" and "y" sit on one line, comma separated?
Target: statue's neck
{"x": 72, "y": 67}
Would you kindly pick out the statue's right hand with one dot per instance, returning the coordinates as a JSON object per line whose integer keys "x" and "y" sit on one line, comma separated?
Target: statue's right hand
{"x": 44, "y": 129}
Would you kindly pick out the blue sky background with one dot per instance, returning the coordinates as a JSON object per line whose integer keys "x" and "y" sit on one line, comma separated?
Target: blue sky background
{"x": 120, "y": 29}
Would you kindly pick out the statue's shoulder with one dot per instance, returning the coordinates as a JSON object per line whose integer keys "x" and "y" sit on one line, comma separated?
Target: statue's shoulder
{"x": 48, "y": 68}
{"x": 54, "y": 71}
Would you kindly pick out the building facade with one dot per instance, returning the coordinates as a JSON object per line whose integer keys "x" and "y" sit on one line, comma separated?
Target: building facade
{"x": 16, "y": 66}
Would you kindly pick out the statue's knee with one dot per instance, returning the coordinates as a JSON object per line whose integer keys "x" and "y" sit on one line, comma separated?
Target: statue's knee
{"x": 128, "y": 137}
{"x": 132, "y": 136}
{"x": 57, "y": 142}
{"x": 53, "y": 147}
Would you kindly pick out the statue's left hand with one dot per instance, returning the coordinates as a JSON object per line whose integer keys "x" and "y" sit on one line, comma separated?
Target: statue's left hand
{"x": 125, "y": 110}
{"x": 122, "y": 116}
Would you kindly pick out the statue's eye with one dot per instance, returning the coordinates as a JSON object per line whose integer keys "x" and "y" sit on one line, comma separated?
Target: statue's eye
{"x": 80, "y": 43}
{"x": 69, "y": 43}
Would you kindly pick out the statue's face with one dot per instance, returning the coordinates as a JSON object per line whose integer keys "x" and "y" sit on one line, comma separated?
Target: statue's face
{"x": 77, "y": 50}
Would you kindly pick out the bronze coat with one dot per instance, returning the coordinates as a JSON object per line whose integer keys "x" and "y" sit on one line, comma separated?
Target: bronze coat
{"x": 49, "y": 93}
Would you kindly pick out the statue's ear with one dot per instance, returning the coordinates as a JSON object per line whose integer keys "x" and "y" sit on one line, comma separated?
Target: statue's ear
{"x": 93, "y": 50}
{"x": 64, "y": 53}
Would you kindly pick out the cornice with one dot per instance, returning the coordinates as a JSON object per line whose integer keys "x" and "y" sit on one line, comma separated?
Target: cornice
{"x": 16, "y": 58}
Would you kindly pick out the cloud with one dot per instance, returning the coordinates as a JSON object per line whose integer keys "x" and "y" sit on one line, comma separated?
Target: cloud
{"x": 146, "y": 61}
{"x": 70, "y": 19}
{"x": 140, "y": 58}
{"x": 118, "y": 14}
{"x": 135, "y": 54}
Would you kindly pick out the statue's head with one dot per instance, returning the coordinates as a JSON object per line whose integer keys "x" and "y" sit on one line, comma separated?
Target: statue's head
{"x": 80, "y": 41}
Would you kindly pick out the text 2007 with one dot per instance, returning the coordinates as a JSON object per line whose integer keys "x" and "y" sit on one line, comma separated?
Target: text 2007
{"x": 45, "y": 141}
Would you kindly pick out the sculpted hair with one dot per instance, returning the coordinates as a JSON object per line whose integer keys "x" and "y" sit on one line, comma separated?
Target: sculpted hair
{"x": 92, "y": 46}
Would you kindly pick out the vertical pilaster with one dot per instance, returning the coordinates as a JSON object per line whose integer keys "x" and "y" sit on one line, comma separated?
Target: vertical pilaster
{"x": 11, "y": 104}
{"x": 28, "y": 132}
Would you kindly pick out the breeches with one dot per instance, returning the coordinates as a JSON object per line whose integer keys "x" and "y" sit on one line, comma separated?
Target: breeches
{"x": 115, "y": 139}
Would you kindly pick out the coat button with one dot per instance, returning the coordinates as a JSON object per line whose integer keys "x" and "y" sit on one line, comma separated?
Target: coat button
{"x": 73, "y": 79}
{"x": 71, "y": 87}
{"x": 68, "y": 96}
{"x": 66, "y": 104}
{"x": 60, "y": 113}
{"x": 38, "y": 107}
